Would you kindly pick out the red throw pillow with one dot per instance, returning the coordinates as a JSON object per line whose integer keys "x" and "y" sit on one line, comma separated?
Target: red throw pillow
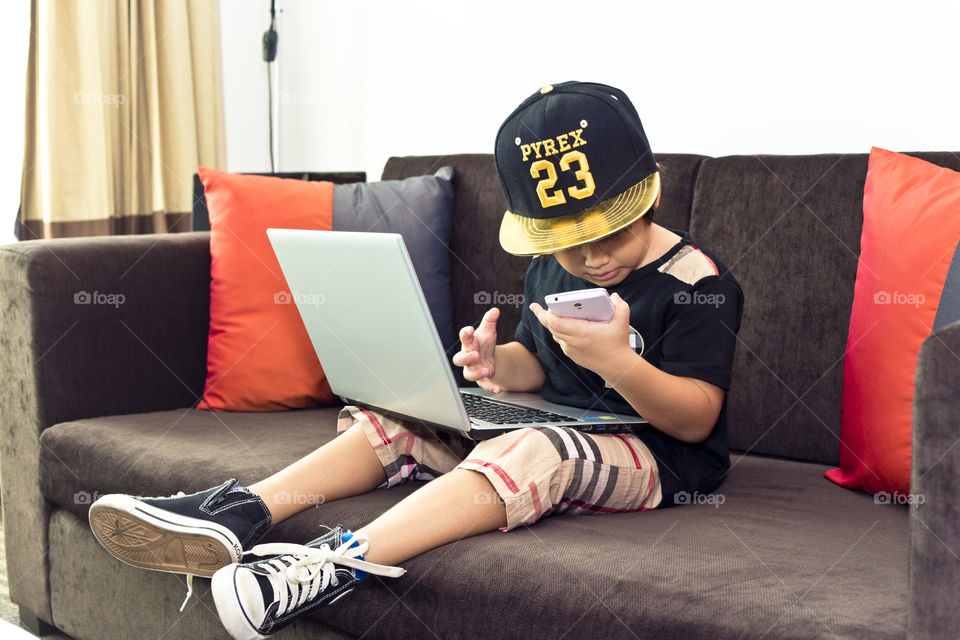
{"x": 911, "y": 227}
{"x": 259, "y": 357}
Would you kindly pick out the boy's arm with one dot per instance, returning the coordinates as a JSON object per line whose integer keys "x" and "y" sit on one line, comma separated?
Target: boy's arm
{"x": 682, "y": 407}
{"x": 517, "y": 368}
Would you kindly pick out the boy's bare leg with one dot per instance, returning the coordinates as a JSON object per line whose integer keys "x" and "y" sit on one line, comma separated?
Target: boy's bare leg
{"x": 345, "y": 466}
{"x": 456, "y": 505}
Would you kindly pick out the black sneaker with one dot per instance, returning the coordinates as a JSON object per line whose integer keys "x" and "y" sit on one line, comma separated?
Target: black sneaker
{"x": 193, "y": 534}
{"x": 257, "y": 599}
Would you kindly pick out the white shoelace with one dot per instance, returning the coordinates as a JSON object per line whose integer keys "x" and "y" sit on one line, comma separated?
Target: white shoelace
{"x": 189, "y": 591}
{"x": 300, "y": 572}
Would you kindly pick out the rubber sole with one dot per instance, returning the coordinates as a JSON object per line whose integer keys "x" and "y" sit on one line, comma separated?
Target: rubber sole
{"x": 151, "y": 538}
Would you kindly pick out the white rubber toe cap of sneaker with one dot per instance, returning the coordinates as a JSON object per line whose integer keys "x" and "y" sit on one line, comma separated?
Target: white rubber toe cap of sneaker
{"x": 239, "y": 602}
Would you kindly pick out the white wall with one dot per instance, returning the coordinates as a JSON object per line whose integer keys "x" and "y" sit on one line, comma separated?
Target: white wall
{"x": 242, "y": 23}
{"x": 363, "y": 80}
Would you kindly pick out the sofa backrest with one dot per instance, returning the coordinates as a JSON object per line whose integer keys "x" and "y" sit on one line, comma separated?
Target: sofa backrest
{"x": 788, "y": 227}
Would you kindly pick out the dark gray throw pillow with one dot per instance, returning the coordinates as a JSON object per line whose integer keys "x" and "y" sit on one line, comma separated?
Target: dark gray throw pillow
{"x": 421, "y": 210}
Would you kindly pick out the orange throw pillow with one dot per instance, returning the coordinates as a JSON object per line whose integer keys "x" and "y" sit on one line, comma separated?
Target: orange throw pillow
{"x": 911, "y": 227}
{"x": 259, "y": 357}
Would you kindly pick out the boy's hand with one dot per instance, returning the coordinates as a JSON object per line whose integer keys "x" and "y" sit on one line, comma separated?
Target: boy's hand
{"x": 477, "y": 347}
{"x": 592, "y": 345}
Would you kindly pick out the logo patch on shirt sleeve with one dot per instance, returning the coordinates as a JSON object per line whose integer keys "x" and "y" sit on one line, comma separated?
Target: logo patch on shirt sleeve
{"x": 689, "y": 265}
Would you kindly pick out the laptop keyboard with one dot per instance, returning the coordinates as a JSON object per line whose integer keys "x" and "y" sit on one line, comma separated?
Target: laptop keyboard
{"x": 500, "y": 413}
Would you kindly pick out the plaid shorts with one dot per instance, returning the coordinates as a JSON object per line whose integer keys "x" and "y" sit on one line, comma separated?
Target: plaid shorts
{"x": 535, "y": 471}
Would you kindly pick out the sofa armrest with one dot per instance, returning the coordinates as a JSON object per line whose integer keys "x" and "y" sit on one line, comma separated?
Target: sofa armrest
{"x": 935, "y": 474}
{"x": 92, "y": 326}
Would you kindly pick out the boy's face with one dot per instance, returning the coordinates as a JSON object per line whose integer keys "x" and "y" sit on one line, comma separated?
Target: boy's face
{"x": 608, "y": 261}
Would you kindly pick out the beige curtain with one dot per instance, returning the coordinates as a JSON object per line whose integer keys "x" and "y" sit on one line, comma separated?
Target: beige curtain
{"x": 124, "y": 100}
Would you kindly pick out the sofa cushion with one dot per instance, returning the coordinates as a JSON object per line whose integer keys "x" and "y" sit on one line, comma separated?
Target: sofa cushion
{"x": 909, "y": 246}
{"x": 259, "y": 356}
{"x": 160, "y": 453}
{"x": 778, "y": 550}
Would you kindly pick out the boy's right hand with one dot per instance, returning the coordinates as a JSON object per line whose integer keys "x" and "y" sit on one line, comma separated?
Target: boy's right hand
{"x": 477, "y": 348}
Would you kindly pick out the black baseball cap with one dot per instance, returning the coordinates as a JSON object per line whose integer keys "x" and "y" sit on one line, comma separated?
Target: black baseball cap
{"x": 575, "y": 166}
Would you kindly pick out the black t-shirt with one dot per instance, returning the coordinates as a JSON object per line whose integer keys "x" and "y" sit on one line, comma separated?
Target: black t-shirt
{"x": 687, "y": 308}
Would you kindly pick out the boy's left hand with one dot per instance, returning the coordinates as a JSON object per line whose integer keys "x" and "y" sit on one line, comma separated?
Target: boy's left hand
{"x": 592, "y": 345}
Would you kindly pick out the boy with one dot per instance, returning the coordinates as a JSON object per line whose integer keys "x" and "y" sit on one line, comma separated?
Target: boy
{"x": 581, "y": 186}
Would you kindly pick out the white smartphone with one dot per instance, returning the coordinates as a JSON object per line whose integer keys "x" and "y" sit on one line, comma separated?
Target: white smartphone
{"x": 586, "y": 304}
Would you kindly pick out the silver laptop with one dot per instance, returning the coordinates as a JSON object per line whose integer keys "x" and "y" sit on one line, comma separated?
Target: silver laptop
{"x": 368, "y": 320}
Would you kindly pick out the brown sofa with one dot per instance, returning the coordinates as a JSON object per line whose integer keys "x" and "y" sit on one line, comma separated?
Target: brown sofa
{"x": 97, "y": 399}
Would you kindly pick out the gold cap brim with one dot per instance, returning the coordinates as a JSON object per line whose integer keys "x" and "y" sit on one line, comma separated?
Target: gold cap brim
{"x": 523, "y": 236}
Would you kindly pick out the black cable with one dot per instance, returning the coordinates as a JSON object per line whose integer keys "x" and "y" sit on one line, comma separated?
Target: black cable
{"x": 273, "y": 169}
{"x": 269, "y": 55}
